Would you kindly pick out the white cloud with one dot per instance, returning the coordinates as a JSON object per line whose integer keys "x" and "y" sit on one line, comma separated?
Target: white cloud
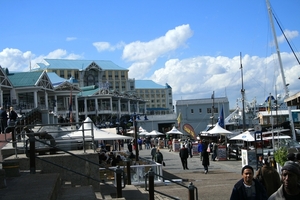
{"x": 16, "y": 60}
{"x": 71, "y": 39}
{"x": 144, "y": 54}
{"x": 198, "y": 77}
{"x": 289, "y": 34}
{"x": 106, "y": 46}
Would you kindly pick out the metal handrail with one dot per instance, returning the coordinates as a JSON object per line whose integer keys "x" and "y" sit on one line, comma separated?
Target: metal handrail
{"x": 123, "y": 176}
{"x": 164, "y": 178}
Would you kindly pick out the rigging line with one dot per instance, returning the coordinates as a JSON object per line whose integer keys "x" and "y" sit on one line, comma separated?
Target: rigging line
{"x": 286, "y": 38}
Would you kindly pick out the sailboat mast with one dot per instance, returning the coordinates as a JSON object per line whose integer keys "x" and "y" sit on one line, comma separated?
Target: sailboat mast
{"x": 281, "y": 68}
{"x": 243, "y": 93}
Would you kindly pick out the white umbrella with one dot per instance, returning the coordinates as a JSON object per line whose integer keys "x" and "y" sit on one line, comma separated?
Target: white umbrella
{"x": 143, "y": 132}
{"x": 219, "y": 130}
{"x": 174, "y": 131}
{"x": 245, "y": 136}
{"x": 141, "y": 129}
{"x": 154, "y": 133}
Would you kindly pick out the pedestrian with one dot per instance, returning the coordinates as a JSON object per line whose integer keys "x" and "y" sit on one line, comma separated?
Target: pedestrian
{"x": 268, "y": 177}
{"x": 140, "y": 143}
{"x": 12, "y": 116}
{"x": 159, "y": 158}
{"x": 248, "y": 187}
{"x": 214, "y": 151}
{"x": 190, "y": 148}
{"x": 184, "y": 154}
{"x": 153, "y": 152}
{"x": 3, "y": 119}
{"x": 205, "y": 154}
{"x": 290, "y": 177}
{"x": 200, "y": 145}
{"x": 291, "y": 157}
{"x": 129, "y": 146}
{"x": 170, "y": 145}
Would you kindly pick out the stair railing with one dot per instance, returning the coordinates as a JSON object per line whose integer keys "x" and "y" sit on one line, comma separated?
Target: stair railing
{"x": 149, "y": 177}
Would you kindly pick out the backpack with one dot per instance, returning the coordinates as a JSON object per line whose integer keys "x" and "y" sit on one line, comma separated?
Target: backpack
{"x": 158, "y": 157}
{"x": 13, "y": 115}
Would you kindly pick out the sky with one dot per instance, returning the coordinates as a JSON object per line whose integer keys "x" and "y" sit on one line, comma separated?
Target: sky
{"x": 196, "y": 46}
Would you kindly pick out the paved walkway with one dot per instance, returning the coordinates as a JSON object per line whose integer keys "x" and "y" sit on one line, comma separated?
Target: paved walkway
{"x": 216, "y": 185}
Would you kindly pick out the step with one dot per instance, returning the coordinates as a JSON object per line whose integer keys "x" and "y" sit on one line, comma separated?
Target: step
{"x": 31, "y": 186}
{"x": 77, "y": 193}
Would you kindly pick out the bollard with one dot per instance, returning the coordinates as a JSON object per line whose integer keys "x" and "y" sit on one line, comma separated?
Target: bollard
{"x": 151, "y": 184}
{"x": 128, "y": 172}
{"x": 2, "y": 179}
{"x": 191, "y": 191}
{"x": 32, "y": 153}
{"x": 119, "y": 181}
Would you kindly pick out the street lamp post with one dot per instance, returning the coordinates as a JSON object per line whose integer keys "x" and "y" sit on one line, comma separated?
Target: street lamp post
{"x": 136, "y": 138}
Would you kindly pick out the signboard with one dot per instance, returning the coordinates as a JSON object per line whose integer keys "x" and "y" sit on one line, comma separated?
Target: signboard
{"x": 249, "y": 158}
{"x": 222, "y": 152}
{"x": 195, "y": 149}
{"x": 190, "y": 130}
{"x": 176, "y": 145}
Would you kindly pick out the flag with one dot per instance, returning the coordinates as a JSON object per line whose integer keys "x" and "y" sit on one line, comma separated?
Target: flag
{"x": 70, "y": 107}
{"x": 179, "y": 120}
{"x": 221, "y": 119}
{"x": 269, "y": 104}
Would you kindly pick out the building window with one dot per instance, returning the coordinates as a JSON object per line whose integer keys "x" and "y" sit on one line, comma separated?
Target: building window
{"x": 192, "y": 111}
{"x": 208, "y": 110}
{"x": 200, "y": 110}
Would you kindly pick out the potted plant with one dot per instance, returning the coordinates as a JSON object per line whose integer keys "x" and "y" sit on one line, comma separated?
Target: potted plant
{"x": 280, "y": 156}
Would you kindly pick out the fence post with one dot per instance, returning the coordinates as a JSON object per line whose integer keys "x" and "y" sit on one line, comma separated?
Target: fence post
{"x": 151, "y": 184}
{"x": 128, "y": 172}
{"x": 191, "y": 191}
{"x": 32, "y": 153}
{"x": 119, "y": 181}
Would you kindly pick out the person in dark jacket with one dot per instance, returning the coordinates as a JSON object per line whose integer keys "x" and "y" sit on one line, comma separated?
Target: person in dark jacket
{"x": 247, "y": 187}
{"x": 268, "y": 177}
{"x": 3, "y": 119}
{"x": 205, "y": 155}
{"x": 184, "y": 154}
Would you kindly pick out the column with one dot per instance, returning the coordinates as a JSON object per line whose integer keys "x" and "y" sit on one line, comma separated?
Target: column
{"x": 129, "y": 111}
{"x": 76, "y": 107}
{"x": 119, "y": 108}
{"x": 85, "y": 108}
{"x": 35, "y": 99}
{"x": 46, "y": 100}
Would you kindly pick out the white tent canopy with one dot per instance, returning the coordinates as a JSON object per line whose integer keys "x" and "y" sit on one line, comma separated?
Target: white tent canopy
{"x": 245, "y": 136}
{"x": 174, "y": 131}
{"x": 98, "y": 134}
{"x": 154, "y": 133}
{"x": 219, "y": 130}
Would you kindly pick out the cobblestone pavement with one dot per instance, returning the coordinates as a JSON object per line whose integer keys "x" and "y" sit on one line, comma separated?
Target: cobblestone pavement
{"x": 216, "y": 185}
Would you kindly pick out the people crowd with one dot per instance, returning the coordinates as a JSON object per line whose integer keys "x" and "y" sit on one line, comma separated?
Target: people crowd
{"x": 8, "y": 118}
{"x": 261, "y": 184}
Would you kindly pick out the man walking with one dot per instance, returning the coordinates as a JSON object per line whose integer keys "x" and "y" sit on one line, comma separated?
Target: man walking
{"x": 290, "y": 188}
{"x": 268, "y": 177}
{"x": 200, "y": 149}
{"x": 184, "y": 154}
{"x": 153, "y": 152}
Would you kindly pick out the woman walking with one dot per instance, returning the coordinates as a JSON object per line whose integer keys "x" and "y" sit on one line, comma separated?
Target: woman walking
{"x": 205, "y": 154}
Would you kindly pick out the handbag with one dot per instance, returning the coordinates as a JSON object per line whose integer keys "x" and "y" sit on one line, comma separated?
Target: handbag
{"x": 164, "y": 164}
{"x": 208, "y": 149}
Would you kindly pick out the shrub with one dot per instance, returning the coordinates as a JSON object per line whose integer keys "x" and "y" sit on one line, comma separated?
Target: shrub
{"x": 280, "y": 155}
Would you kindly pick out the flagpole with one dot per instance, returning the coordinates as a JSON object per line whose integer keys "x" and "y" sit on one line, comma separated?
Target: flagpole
{"x": 271, "y": 120}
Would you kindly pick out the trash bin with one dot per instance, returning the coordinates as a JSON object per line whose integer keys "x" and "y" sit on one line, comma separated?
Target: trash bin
{"x": 11, "y": 168}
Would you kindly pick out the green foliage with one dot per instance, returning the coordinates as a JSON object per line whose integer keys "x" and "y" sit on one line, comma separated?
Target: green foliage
{"x": 280, "y": 155}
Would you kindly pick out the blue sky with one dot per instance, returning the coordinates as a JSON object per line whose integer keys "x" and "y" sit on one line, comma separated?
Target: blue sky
{"x": 192, "y": 45}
